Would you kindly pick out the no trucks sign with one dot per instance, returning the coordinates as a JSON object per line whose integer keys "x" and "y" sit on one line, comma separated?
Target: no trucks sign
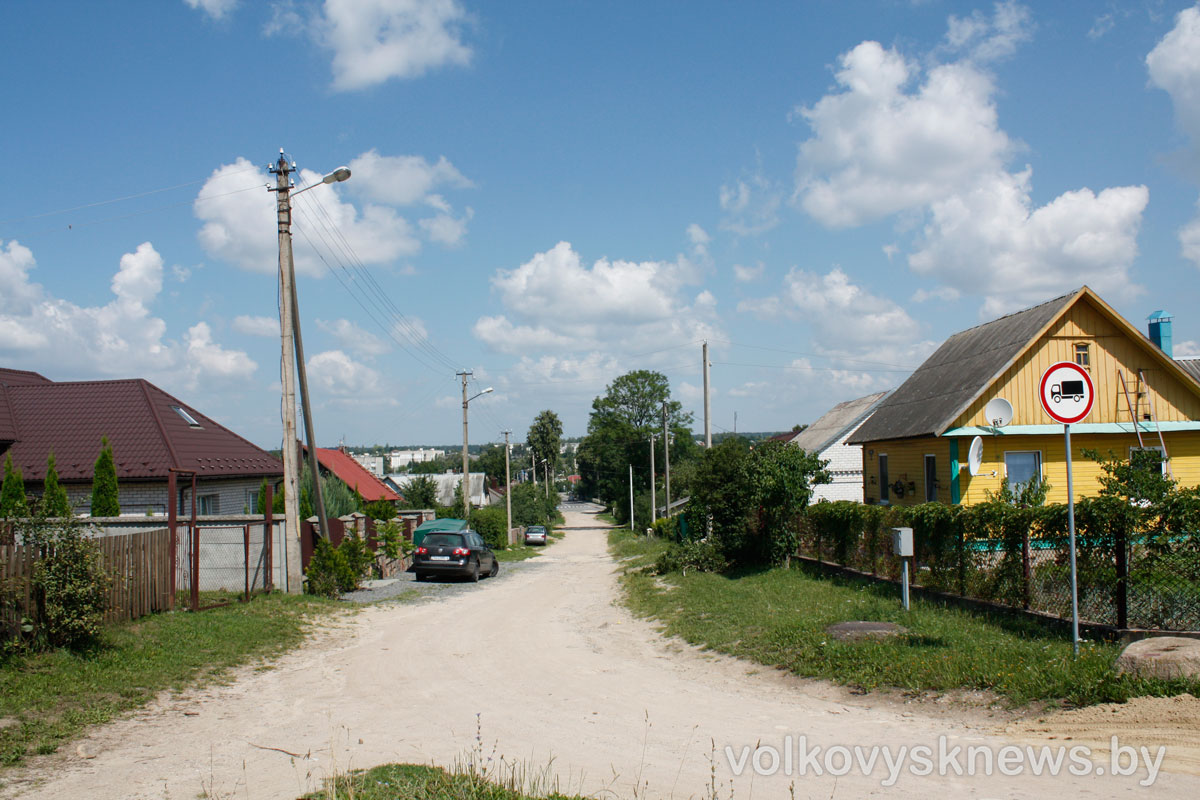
{"x": 1067, "y": 392}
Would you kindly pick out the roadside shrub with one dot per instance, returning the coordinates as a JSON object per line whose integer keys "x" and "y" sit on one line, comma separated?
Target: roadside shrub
{"x": 329, "y": 573}
{"x": 702, "y": 555}
{"x": 69, "y": 582}
{"x": 668, "y": 528}
{"x": 379, "y": 509}
{"x": 490, "y": 522}
{"x": 359, "y": 558}
{"x": 12, "y": 491}
{"x": 391, "y": 539}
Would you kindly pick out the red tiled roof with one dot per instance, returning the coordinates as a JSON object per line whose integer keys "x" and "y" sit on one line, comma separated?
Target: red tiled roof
{"x": 147, "y": 434}
{"x": 21, "y": 377}
{"x": 354, "y": 475}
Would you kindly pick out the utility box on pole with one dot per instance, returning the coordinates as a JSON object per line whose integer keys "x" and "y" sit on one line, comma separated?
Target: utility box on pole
{"x": 902, "y": 542}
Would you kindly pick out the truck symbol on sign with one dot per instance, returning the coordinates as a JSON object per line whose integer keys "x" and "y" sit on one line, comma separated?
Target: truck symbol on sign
{"x": 1068, "y": 389}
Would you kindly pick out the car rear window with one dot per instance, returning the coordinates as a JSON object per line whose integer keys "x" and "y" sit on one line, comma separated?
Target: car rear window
{"x": 443, "y": 540}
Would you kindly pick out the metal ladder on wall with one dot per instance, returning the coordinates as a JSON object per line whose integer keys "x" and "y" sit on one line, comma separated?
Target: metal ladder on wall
{"x": 1134, "y": 405}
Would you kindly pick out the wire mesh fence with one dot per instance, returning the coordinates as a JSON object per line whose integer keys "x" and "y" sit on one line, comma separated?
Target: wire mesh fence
{"x": 1125, "y": 581}
{"x": 243, "y": 558}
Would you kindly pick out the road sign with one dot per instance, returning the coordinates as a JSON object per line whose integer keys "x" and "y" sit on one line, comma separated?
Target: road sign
{"x": 1067, "y": 392}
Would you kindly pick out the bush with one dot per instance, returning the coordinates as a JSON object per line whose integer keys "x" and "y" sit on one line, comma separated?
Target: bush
{"x": 106, "y": 500}
{"x": 379, "y": 509}
{"x": 330, "y": 573}
{"x": 703, "y": 555}
{"x": 491, "y": 522}
{"x": 12, "y": 491}
{"x": 69, "y": 582}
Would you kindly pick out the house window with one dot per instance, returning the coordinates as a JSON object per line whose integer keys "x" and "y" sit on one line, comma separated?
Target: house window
{"x": 930, "y": 478}
{"x": 883, "y": 479}
{"x": 1149, "y": 458}
{"x": 1022, "y": 467}
{"x": 1083, "y": 355}
{"x": 187, "y": 417}
{"x": 208, "y": 504}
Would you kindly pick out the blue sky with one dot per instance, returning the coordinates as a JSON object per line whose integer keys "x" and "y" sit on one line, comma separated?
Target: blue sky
{"x": 551, "y": 194}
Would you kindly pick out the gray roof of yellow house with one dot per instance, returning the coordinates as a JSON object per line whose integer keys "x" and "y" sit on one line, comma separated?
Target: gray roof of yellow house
{"x": 957, "y": 373}
{"x": 1190, "y": 365}
{"x": 816, "y": 438}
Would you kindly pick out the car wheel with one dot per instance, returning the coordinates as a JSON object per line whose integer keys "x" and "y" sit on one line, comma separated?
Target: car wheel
{"x": 474, "y": 576}
{"x": 421, "y": 577}
{"x": 495, "y": 569}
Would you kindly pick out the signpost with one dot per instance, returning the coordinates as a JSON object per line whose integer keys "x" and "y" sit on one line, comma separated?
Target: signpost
{"x": 1067, "y": 395}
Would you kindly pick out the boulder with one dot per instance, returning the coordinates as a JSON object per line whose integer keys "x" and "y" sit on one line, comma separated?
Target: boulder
{"x": 859, "y": 630}
{"x": 1163, "y": 657}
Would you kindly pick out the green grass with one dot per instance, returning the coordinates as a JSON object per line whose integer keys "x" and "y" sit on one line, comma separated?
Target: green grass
{"x": 778, "y": 617}
{"x": 517, "y": 552}
{"x": 55, "y": 695}
{"x": 417, "y": 782}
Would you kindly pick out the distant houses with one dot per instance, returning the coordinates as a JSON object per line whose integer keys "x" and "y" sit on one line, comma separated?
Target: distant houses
{"x": 151, "y": 432}
{"x": 827, "y": 438}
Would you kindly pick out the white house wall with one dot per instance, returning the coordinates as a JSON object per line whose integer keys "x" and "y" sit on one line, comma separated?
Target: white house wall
{"x": 845, "y": 468}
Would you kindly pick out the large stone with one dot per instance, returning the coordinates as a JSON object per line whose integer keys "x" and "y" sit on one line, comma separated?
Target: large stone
{"x": 1164, "y": 657}
{"x": 859, "y": 630}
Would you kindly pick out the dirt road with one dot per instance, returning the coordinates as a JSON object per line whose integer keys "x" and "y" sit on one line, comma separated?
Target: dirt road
{"x": 545, "y": 668}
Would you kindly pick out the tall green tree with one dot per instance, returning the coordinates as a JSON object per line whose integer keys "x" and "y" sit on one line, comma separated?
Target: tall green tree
{"x": 106, "y": 500}
{"x": 491, "y": 462}
{"x": 55, "y": 502}
{"x": 12, "y": 491}
{"x": 421, "y": 492}
{"x": 543, "y": 440}
{"x": 619, "y": 429}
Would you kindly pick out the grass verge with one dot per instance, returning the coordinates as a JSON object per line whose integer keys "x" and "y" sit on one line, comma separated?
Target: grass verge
{"x": 53, "y": 696}
{"x": 778, "y": 617}
{"x": 517, "y": 552}
{"x": 418, "y": 782}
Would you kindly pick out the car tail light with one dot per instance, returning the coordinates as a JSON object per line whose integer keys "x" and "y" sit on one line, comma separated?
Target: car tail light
{"x": 422, "y": 551}
{"x": 461, "y": 551}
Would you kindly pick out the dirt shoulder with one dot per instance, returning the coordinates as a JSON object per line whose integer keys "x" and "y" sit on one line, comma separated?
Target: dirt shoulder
{"x": 549, "y": 671}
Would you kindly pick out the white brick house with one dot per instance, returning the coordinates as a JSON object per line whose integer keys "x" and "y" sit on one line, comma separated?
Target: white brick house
{"x": 827, "y": 438}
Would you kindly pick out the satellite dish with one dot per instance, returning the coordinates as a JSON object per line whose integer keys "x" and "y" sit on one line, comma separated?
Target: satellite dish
{"x": 975, "y": 456}
{"x": 999, "y": 412}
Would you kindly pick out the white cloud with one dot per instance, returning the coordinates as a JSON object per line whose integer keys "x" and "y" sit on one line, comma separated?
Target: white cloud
{"x": 446, "y": 229}
{"x": 374, "y": 41}
{"x": 751, "y": 205}
{"x": 240, "y": 227}
{"x": 847, "y": 323}
{"x": 746, "y": 274}
{"x": 878, "y": 149}
{"x": 993, "y": 241}
{"x": 256, "y": 326}
{"x": 402, "y": 180}
{"x": 217, "y": 9}
{"x": 353, "y": 338}
{"x": 505, "y": 337}
{"x": 339, "y": 375}
{"x": 1174, "y": 66}
{"x": 898, "y": 139}
{"x": 944, "y": 293}
{"x": 121, "y": 338}
{"x": 1188, "y": 348}
{"x": 207, "y": 359}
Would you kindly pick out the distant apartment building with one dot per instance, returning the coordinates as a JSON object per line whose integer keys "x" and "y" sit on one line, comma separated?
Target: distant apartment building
{"x": 401, "y": 459}
{"x": 372, "y": 464}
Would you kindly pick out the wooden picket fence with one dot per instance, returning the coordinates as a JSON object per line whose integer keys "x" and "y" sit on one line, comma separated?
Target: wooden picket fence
{"x": 138, "y": 563}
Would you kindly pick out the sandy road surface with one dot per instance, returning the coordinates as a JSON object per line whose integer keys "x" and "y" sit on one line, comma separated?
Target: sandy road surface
{"x": 560, "y": 673}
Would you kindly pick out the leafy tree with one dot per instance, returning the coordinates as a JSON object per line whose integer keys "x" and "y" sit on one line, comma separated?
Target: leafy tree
{"x": 379, "y": 509}
{"x": 544, "y": 437}
{"x": 421, "y": 492}
{"x": 491, "y": 462}
{"x": 783, "y": 476}
{"x": 489, "y": 522}
{"x": 55, "y": 502}
{"x": 436, "y": 466}
{"x": 106, "y": 500}
{"x": 528, "y": 505}
{"x": 619, "y": 431}
{"x": 12, "y": 491}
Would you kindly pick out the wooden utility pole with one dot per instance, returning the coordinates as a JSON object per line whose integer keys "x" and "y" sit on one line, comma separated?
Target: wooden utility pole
{"x": 707, "y": 406}
{"x": 466, "y": 475}
{"x": 508, "y": 486}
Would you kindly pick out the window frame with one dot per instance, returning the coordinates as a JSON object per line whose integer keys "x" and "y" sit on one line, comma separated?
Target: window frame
{"x": 884, "y": 489}
{"x": 1041, "y": 466}
{"x": 931, "y": 487}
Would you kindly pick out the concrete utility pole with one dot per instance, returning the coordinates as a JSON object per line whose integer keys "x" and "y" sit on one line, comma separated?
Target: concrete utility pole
{"x": 508, "y": 486}
{"x": 292, "y": 347}
{"x": 653, "y": 501}
{"x": 546, "y": 475}
{"x": 631, "y": 528}
{"x": 667, "y": 458}
{"x": 287, "y": 374}
{"x": 707, "y": 405}
{"x": 466, "y": 474}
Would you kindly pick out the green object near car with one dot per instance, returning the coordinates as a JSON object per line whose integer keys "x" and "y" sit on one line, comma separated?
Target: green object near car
{"x": 447, "y": 525}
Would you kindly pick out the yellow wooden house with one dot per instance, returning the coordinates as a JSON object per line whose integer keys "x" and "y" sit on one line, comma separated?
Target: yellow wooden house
{"x": 915, "y": 446}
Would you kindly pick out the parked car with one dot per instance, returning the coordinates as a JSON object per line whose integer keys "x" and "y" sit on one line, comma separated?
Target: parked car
{"x": 462, "y": 554}
{"x": 535, "y": 534}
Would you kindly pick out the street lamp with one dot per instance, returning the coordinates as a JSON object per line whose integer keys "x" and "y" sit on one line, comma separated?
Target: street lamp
{"x": 292, "y": 354}
{"x": 466, "y": 478}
